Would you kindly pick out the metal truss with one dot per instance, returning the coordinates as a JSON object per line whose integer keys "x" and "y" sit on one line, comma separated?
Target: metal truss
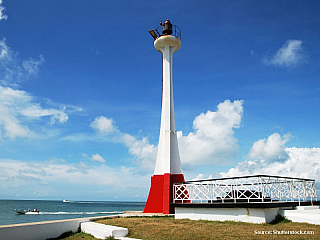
{"x": 257, "y": 188}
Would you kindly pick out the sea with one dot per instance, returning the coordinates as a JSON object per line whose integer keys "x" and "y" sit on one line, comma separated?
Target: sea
{"x": 59, "y": 210}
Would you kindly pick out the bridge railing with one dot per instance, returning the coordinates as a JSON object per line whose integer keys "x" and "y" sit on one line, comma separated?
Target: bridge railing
{"x": 257, "y": 188}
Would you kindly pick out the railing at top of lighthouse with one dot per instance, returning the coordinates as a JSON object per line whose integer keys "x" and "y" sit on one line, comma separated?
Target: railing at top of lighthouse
{"x": 165, "y": 29}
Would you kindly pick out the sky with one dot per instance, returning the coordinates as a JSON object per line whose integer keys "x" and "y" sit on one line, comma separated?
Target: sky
{"x": 80, "y": 94}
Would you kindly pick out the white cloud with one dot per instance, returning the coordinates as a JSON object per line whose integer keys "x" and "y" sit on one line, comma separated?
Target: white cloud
{"x": 199, "y": 177}
{"x": 302, "y": 162}
{"x": 10, "y": 125}
{"x": 2, "y": 15}
{"x": 32, "y": 66}
{"x": 264, "y": 152}
{"x": 144, "y": 152}
{"x": 13, "y": 70}
{"x": 35, "y": 111}
{"x": 5, "y": 53}
{"x": 50, "y": 178}
{"x": 103, "y": 125}
{"x": 290, "y": 54}
{"x": 271, "y": 149}
{"x": 212, "y": 141}
{"x": 16, "y": 106}
{"x": 95, "y": 158}
{"x": 271, "y": 157}
{"x": 98, "y": 158}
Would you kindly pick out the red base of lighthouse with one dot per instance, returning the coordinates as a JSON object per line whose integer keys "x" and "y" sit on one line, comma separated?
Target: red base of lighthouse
{"x": 160, "y": 194}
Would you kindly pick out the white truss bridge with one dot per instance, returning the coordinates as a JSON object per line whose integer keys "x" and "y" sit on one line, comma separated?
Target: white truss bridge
{"x": 250, "y": 189}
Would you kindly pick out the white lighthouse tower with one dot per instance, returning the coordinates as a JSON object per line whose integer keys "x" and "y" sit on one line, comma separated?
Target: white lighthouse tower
{"x": 168, "y": 166}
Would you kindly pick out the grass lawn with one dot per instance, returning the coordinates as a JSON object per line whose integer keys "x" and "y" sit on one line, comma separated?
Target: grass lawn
{"x": 170, "y": 228}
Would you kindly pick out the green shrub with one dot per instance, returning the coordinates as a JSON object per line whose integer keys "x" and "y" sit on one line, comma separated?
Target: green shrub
{"x": 280, "y": 219}
{"x": 110, "y": 238}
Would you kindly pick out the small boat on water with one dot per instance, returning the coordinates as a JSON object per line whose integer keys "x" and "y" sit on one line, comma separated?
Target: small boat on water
{"x": 65, "y": 200}
{"x": 26, "y": 211}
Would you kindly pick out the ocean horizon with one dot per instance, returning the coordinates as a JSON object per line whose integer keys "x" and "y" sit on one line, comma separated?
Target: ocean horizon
{"x": 50, "y": 210}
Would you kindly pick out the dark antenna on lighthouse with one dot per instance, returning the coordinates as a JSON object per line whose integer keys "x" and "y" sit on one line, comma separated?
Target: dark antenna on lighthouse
{"x": 165, "y": 29}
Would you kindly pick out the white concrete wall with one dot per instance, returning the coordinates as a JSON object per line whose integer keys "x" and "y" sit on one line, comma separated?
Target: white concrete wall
{"x": 254, "y": 215}
{"x": 41, "y": 230}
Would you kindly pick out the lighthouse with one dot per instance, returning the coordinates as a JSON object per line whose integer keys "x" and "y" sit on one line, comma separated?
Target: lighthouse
{"x": 167, "y": 40}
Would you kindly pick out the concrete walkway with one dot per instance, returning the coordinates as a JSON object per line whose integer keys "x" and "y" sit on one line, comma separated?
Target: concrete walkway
{"x": 307, "y": 214}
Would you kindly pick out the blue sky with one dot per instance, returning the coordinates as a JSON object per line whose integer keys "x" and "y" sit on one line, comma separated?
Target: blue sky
{"x": 80, "y": 94}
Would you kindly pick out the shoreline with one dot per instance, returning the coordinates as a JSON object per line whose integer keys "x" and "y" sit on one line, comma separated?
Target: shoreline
{"x": 52, "y": 229}
{"x": 123, "y": 214}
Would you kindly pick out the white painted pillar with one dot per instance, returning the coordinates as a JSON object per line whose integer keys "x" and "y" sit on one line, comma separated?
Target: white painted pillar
{"x": 168, "y": 158}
